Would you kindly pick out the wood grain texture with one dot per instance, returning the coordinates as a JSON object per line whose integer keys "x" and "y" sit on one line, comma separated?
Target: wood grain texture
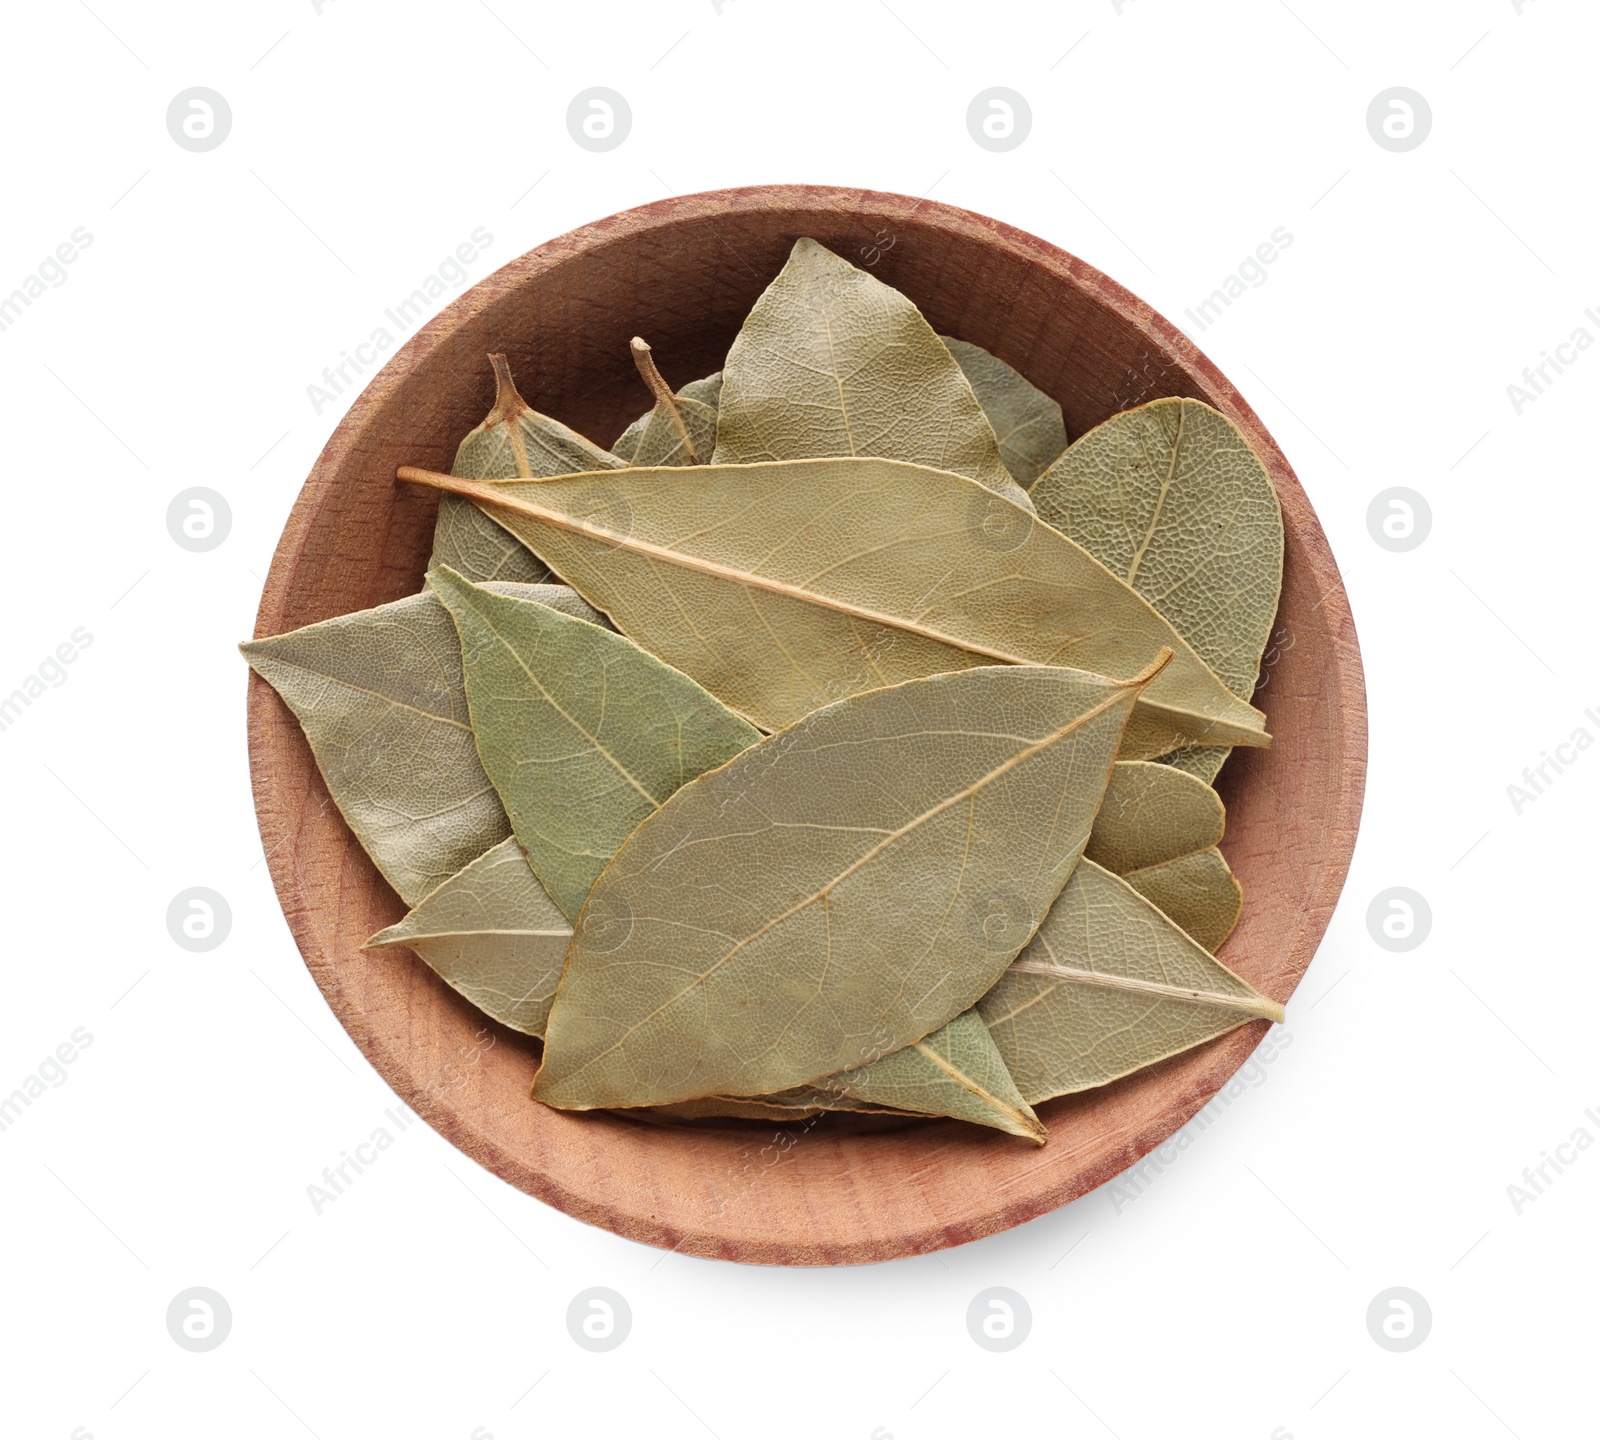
{"x": 839, "y": 1190}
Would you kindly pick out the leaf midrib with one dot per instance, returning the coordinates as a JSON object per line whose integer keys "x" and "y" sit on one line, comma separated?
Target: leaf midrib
{"x": 967, "y": 1083}
{"x": 1236, "y": 730}
{"x": 1161, "y": 500}
{"x": 750, "y": 578}
{"x": 1250, "y": 1004}
{"x": 554, "y": 704}
{"x": 364, "y": 690}
{"x": 463, "y": 934}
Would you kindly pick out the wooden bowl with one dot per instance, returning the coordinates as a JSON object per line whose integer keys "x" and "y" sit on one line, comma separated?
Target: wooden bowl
{"x": 684, "y": 273}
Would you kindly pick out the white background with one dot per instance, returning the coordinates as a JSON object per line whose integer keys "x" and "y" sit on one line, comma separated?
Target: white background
{"x": 1229, "y": 1299}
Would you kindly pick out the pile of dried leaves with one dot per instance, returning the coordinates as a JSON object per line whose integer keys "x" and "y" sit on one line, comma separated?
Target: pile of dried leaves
{"x": 781, "y": 798}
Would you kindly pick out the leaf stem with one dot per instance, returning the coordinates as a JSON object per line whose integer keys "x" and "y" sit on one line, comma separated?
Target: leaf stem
{"x": 662, "y": 392}
{"x": 507, "y": 403}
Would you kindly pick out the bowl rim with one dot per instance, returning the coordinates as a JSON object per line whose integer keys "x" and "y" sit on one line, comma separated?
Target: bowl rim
{"x": 387, "y": 1055}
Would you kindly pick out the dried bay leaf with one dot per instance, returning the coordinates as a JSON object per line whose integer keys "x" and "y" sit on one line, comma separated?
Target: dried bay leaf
{"x": 1108, "y": 986}
{"x": 782, "y": 587}
{"x": 624, "y": 446}
{"x": 664, "y": 443}
{"x": 1027, "y": 423}
{"x": 582, "y": 732}
{"x": 678, "y": 430}
{"x": 493, "y": 931}
{"x": 1152, "y": 817}
{"x": 1153, "y": 813}
{"x": 957, "y": 1071}
{"x": 1170, "y": 497}
{"x": 704, "y": 392}
{"x": 556, "y": 597}
{"x": 1196, "y": 892}
{"x": 1155, "y": 822}
{"x": 842, "y": 889}
{"x": 831, "y": 361}
{"x": 800, "y": 1103}
{"x": 466, "y": 537}
{"x": 726, "y": 1107}
{"x": 494, "y": 928}
{"x": 1204, "y": 762}
{"x": 494, "y": 934}
{"x": 380, "y": 697}
{"x": 514, "y": 442}
{"x": 1158, "y": 828}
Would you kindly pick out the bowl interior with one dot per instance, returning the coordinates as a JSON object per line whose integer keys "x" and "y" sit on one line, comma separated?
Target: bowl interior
{"x": 683, "y": 274}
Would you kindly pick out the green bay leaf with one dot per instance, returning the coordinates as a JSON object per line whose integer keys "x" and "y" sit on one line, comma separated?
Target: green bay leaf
{"x": 1108, "y": 986}
{"x": 514, "y": 442}
{"x": 838, "y": 891}
{"x": 831, "y": 361}
{"x": 783, "y": 587}
{"x": 1027, "y": 423}
{"x": 582, "y": 733}
{"x": 1170, "y": 497}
